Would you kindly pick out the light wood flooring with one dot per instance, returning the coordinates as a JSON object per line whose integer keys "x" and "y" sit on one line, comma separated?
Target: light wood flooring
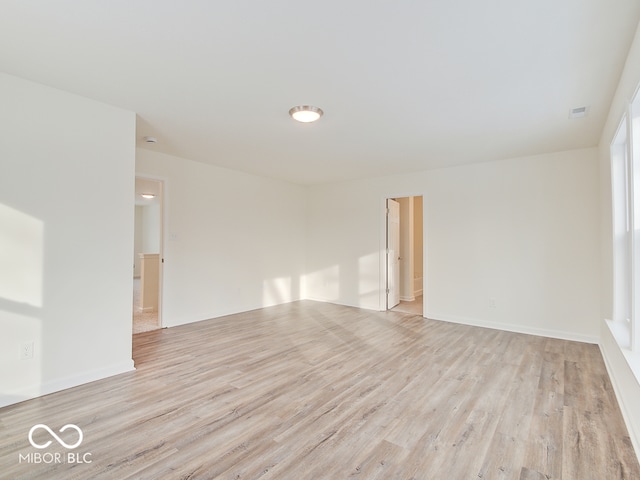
{"x": 318, "y": 391}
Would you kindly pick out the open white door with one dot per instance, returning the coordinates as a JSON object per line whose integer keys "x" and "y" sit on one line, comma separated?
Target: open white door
{"x": 393, "y": 253}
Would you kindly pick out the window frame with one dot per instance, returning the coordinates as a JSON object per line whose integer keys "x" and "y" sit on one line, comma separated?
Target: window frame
{"x": 625, "y": 207}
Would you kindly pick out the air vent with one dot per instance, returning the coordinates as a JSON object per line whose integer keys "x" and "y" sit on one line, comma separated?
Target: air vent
{"x": 578, "y": 112}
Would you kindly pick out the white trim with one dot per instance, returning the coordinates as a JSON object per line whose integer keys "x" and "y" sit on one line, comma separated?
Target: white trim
{"x": 57, "y": 385}
{"x": 164, "y": 235}
{"x": 621, "y": 335}
{"x": 622, "y": 379}
{"x": 508, "y": 327}
{"x": 382, "y": 281}
{"x": 425, "y": 256}
{"x": 382, "y": 307}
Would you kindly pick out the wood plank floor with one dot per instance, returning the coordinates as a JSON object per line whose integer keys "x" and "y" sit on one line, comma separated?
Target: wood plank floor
{"x": 318, "y": 391}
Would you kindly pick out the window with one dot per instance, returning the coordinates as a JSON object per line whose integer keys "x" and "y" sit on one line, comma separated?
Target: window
{"x": 621, "y": 226}
{"x": 625, "y": 186}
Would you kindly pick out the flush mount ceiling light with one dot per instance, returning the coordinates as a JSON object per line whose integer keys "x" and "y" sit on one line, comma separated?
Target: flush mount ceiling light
{"x": 150, "y": 139}
{"x": 305, "y": 113}
{"x": 147, "y": 195}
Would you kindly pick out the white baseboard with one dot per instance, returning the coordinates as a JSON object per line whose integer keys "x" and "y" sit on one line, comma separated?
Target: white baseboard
{"x": 407, "y": 299}
{"x": 64, "y": 383}
{"x": 508, "y": 327}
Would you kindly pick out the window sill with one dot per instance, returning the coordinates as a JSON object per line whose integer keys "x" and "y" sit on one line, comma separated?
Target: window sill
{"x": 620, "y": 333}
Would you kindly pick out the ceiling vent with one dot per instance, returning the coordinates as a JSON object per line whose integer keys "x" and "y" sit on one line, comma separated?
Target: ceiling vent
{"x": 578, "y": 112}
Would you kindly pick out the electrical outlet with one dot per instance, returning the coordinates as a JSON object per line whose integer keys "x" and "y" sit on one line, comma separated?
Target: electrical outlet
{"x": 26, "y": 350}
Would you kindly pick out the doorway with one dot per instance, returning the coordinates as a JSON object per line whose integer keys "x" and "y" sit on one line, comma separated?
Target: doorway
{"x": 405, "y": 255}
{"x": 147, "y": 256}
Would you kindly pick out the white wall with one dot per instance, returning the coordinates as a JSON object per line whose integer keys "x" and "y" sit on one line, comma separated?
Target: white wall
{"x": 233, "y": 242}
{"x": 137, "y": 239}
{"x": 625, "y": 382}
{"x": 344, "y": 235}
{"x": 151, "y": 229}
{"x": 523, "y": 232}
{"x": 66, "y": 232}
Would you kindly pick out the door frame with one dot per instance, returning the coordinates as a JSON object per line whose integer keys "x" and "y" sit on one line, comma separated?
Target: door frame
{"x": 163, "y": 213}
{"x": 393, "y": 278}
{"x": 383, "y": 249}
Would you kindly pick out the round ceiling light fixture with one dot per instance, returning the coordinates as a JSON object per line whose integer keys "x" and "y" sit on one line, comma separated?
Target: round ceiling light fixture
{"x": 306, "y": 113}
{"x": 148, "y": 195}
{"x": 150, "y": 139}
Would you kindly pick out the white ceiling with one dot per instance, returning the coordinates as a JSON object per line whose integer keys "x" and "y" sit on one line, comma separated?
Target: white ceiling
{"x": 405, "y": 86}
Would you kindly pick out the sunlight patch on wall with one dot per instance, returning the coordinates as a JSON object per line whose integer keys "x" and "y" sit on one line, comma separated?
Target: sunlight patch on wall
{"x": 21, "y": 257}
{"x": 276, "y": 291}
{"x": 369, "y": 280}
{"x": 323, "y": 284}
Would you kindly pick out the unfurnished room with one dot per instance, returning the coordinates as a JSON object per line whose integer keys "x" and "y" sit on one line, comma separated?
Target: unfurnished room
{"x": 320, "y": 240}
